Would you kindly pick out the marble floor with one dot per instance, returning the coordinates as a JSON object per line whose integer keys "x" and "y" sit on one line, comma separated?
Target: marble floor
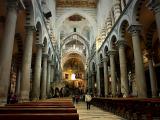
{"x": 94, "y": 113}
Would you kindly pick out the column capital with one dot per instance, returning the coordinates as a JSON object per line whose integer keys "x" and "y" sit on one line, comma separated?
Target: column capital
{"x": 106, "y": 59}
{"x": 49, "y": 61}
{"x": 121, "y": 43}
{"x": 135, "y": 28}
{"x": 45, "y": 55}
{"x": 112, "y": 52}
{"x": 39, "y": 45}
{"x": 15, "y": 4}
{"x": 154, "y": 5}
{"x": 52, "y": 64}
{"x": 30, "y": 28}
{"x": 12, "y": 4}
{"x": 100, "y": 65}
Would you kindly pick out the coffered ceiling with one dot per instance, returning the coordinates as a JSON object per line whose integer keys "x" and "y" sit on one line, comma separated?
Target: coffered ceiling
{"x": 77, "y": 3}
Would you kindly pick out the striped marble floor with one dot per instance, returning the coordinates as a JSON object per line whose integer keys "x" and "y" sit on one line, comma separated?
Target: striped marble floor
{"x": 94, "y": 113}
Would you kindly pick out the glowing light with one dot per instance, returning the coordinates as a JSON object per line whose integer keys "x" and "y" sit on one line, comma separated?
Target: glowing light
{"x": 73, "y": 76}
{"x": 95, "y": 85}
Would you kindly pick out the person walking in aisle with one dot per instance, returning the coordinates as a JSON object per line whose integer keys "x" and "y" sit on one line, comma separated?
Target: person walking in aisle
{"x": 88, "y": 99}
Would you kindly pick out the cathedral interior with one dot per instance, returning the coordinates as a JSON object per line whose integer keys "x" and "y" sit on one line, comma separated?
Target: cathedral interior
{"x": 61, "y": 48}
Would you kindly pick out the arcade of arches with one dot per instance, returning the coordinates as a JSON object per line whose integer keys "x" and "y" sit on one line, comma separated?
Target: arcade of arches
{"x": 106, "y": 47}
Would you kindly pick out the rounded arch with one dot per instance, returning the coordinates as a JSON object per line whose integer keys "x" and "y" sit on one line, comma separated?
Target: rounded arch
{"x": 38, "y": 32}
{"x": 78, "y": 12}
{"x": 123, "y": 28}
{"x": 105, "y": 50}
{"x": 82, "y": 40}
{"x": 113, "y": 41}
{"x": 125, "y": 21}
{"x": 73, "y": 52}
{"x": 69, "y": 58}
{"x": 79, "y": 38}
{"x": 38, "y": 20}
{"x": 72, "y": 55}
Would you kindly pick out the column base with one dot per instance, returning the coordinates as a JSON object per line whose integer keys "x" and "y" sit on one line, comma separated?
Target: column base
{"x": 35, "y": 99}
{"x": 106, "y": 96}
{"x": 23, "y": 100}
{"x": 24, "y": 97}
{"x": 43, "y": 98}
{"x": 3, "y": 101}
{"x": 154, "y": 96}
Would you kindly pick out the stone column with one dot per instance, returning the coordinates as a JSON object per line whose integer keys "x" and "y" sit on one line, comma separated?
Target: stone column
{"x": 37, "y": 73}
{"x": 48, "y": 77}
{"x": 91, "y": 86}
{"x": 52, "y": 72}
{"x": 89, "y": 83}
{"x": 155, "y": 6}
{"x": 123, "y": 67}
{"x": 18, "y": 80}
{"x": 139, "y": 67}
{"x": 26, "y": 65}
{"x": 98, "y": 80}
{"x": 106, "y": 80}
{"x": 44, "y": 76}
{"x": 117, "y": 10}
{"x": 113, "y": 70}
{"x": 93, "y": 82}
{"x": 118, "y": 83}
{"x": 153, "y": 78}
{"x": 52, "y": 78}
{"x": 7, "y": 49}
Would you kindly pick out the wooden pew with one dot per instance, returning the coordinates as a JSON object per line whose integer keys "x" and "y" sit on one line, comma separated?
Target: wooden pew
{"x": 56, "y": 103}
{"x": 135, "y": 108}
{"x": 55, "y": 106}
{"x": 37, "y": 116}
{"x": 50, "y": 110}
{"x": 4, "y": 110}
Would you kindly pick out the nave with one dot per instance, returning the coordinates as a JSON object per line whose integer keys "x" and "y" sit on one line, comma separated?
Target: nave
{"x": 59, "y": 108}
{"x": 100, "y": 109}
{"x": 94, "y": 113}
{"x": 64, "y": 48}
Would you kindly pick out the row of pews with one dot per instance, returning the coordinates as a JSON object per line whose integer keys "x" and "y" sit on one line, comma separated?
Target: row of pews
{"x": 44, "y": 110}
{"x": 131, "y": 108}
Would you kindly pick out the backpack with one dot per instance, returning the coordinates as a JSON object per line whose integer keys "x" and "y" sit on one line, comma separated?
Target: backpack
{"x": 88, "y": 98}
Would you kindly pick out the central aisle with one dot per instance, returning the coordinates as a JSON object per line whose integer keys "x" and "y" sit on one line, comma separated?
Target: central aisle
{"x": 94, "y": 113}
